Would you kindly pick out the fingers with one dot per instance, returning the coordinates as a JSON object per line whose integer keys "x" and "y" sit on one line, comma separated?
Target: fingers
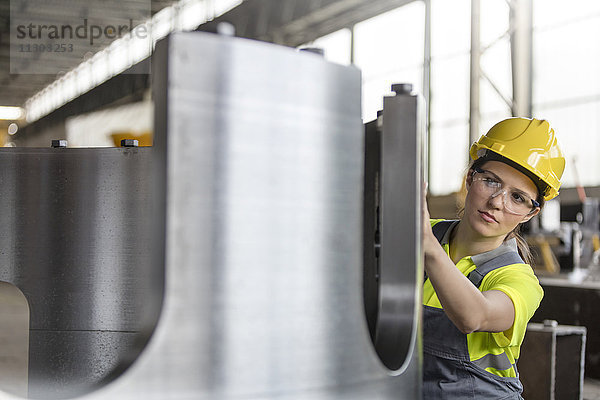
{"x": 425, "y": 211}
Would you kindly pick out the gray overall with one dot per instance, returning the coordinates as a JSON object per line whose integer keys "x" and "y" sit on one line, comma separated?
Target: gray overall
{"x": 448, "y": 372}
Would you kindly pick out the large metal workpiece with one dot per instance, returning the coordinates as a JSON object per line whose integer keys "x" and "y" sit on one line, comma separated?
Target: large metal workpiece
{"x": 254, "y": 214}
{"x": 76, "y": 239}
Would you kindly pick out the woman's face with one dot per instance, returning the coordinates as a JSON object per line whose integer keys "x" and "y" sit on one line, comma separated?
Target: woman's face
{"x": 486, "y": 214}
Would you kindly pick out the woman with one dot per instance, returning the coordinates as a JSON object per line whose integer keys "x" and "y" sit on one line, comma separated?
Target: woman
{"x": 479, "y": 291}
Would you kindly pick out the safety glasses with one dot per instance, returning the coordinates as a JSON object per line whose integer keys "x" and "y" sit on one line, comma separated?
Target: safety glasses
{"x": 516, "y": 201}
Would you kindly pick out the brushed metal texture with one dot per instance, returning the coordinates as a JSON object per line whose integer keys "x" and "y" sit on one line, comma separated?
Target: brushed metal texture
{"x": 257, "y": 174}
{"x": 264, "y": 163}
{"x": 76, "y": 239}
{"x": 401, "y": 269}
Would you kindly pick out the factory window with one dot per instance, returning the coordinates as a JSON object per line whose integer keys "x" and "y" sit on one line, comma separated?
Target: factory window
{"x": 450, "y": 83}
{"x": 566, "y": 84}
{"x": 337, "y": 46}
{"x": 449, "y": 118}
{"x": 389, "y": 49}
{"x": 566, "y": 89}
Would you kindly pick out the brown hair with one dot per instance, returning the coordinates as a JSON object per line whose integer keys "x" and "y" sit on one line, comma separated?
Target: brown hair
{"x": 522, "y": 246}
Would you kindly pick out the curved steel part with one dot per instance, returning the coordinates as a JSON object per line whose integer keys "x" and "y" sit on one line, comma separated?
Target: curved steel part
{"x": 259, "y": 152}
{"x": 371, "y": 225}
{"x": 76, "y": 239}
{"x": 392, "y": 254}
{"x": 400, "y": 254}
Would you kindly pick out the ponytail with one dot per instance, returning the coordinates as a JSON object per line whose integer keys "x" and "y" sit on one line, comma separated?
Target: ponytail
{"x": 522, "y": 246}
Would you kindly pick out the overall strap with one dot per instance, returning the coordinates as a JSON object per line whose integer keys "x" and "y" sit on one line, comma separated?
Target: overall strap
{"x": 502, "y": 256}
{"x": 440, "y": 229}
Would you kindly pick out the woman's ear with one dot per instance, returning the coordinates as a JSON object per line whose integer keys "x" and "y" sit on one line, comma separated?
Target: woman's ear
{"x": 469, "y": 179}
{"x": 529, "y": 216}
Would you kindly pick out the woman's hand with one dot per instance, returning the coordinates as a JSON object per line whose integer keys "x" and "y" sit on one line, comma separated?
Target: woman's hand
{"x": 430, "y": 243}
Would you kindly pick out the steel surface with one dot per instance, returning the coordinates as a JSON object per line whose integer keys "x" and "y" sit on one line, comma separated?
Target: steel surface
{"x": 258, "y": 159}
{"x": 75, "y": 239}
{"x": 400, "y": 257}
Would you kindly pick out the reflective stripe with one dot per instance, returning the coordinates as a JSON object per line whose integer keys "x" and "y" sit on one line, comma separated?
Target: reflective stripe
{"x": 496, "y": 361}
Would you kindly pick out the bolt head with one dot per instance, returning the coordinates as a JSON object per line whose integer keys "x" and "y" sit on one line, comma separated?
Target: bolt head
{"x": 129, "y": 143}
{"x": 315, "y": 50}
{"x": 226, "y": 29}
{"x": 402, "y": 88}
{"x": 550, "y": 323}
{"x": 59, "y": 143}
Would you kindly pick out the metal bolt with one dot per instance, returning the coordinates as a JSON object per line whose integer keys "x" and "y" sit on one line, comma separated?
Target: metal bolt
{"x": 314, "y": 50}
{"x": 402, "y": 88}
{"x": 59, "y": 143}
{"x": 550, "y": 323}
{"x": 129, "y": 143}
{"x": 226, "y": 29}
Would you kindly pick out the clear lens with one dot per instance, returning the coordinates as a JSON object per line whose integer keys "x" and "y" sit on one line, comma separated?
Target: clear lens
{"x": 515, "y": 202}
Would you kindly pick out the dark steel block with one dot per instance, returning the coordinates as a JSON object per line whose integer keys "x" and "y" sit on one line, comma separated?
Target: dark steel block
{"x": 77, "y": 238}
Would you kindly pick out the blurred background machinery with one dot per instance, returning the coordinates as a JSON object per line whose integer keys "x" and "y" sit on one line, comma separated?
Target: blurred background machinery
{"x": 565, "y": 241}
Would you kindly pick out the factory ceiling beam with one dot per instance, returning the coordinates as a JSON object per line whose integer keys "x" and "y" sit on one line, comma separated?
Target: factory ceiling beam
{"x": 288, "y": 22}
{"x": 17, "y": 88}
{"x": 295, "y": 22}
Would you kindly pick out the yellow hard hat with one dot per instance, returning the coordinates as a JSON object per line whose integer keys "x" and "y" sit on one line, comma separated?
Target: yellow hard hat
{"x": 531, "y": 144}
